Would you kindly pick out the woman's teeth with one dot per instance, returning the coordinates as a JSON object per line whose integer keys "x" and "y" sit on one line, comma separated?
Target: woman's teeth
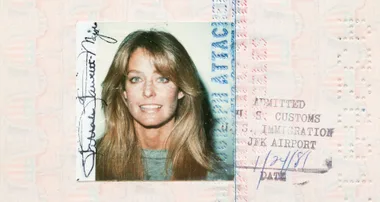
{"x": 150, "y": 107}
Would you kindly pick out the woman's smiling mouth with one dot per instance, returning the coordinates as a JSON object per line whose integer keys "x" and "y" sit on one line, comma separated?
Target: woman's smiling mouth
{"x": 150, "y": 107}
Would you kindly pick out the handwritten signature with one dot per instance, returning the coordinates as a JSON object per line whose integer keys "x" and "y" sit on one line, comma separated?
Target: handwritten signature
{"x": 86, "y": 97}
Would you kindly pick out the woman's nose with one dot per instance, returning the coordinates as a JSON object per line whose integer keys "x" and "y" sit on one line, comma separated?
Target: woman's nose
{"x": 149, "y": 89}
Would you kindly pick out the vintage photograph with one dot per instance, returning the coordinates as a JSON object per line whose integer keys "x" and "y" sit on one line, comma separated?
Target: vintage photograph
{"x": 157, "y": 104}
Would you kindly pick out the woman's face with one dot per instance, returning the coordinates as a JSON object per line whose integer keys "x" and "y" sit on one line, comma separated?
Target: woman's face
{"x": 151, "y": 98}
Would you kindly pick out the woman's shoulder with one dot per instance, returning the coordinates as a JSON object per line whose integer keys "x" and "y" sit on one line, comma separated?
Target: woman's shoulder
{"x": 220, "y": 172}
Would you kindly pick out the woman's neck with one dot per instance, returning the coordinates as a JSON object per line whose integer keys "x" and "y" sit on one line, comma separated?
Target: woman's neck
{"x": 153, "y": 138}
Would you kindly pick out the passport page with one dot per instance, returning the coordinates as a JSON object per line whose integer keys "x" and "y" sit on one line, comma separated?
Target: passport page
{"x": 307, "y": 94}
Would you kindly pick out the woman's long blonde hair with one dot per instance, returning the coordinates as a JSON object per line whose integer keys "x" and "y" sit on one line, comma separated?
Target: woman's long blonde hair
{"x": 119, "y": 151}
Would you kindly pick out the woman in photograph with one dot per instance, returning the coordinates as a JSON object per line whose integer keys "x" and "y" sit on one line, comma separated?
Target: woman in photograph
{"x": 154, "y": 118}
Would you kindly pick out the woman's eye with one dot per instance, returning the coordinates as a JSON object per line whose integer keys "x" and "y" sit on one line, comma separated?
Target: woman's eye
{"x": 163, "y": 80}
{"x": 134, "y": 79}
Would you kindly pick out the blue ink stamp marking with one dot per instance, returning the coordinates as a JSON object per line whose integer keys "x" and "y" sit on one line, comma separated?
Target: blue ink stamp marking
{"x": 222, "y": 79}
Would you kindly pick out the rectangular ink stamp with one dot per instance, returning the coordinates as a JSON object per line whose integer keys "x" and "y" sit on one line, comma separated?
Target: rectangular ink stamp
{"x": 155, "y": 101}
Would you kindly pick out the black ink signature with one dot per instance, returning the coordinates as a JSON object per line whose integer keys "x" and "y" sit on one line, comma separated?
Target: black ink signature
{"x": 88, "y": 154}
{"x": 91, "y": 40}
{"x": 87, "y": 99}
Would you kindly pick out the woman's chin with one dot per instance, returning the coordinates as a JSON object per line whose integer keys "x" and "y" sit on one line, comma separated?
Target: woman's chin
{"x": 152, "y": 124}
